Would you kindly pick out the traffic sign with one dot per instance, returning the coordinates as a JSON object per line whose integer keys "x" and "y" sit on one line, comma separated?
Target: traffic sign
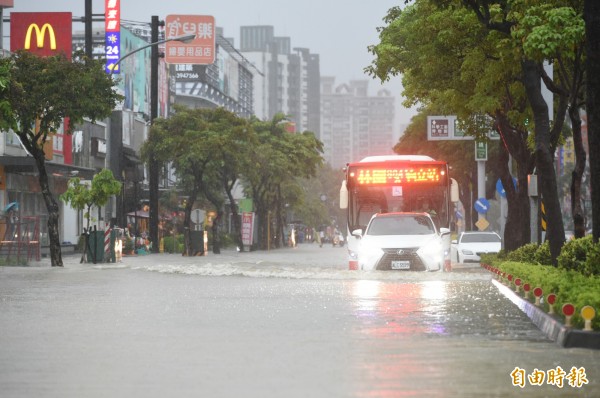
{"x": 500, "y": 188}
{"x": 481, "y": 205}
{"x": 481, "y": 152}
{"x": 482, "y": 224}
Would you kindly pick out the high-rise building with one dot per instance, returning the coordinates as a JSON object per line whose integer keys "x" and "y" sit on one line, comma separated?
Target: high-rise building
{"x": 353, "y": 123}
{"x": 289, "y": 82}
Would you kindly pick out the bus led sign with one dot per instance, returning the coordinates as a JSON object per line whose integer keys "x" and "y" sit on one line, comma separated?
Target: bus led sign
{"x": 396, "y": 176}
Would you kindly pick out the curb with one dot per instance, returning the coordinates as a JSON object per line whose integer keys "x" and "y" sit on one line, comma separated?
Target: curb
{"x": 564, "y": 336}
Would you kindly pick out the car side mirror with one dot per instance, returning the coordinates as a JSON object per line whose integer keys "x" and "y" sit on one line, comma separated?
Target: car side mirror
{"x": 357, "y": 233}
{"x": 454, "y": 241}
{"x": 444, "y": 231}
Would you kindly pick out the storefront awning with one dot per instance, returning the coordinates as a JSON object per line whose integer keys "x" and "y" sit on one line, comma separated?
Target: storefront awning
{"x": 26, "y": 165}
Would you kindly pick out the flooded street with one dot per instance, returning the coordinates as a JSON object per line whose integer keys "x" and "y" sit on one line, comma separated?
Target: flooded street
{"x": 287, "y": 323}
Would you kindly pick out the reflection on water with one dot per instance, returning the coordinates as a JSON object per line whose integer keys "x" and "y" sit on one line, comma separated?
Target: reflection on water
{"x": 395, "y": 317}
{"x": 389, "y": 309}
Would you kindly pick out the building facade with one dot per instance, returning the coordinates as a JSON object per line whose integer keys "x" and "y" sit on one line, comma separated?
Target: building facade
{"x": 290, "y": 78}
{"x": 353, "y": 123}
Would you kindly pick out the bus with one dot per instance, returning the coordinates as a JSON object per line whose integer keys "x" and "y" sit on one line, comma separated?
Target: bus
{"x": 396, "y": 183}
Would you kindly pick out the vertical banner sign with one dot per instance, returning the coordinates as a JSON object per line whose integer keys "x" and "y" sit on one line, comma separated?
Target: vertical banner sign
{"x": 112, "y": 34}
{"x": 42, "y": 33}
{"x": 200, "y": 50}
{"x": 247, "y": 229}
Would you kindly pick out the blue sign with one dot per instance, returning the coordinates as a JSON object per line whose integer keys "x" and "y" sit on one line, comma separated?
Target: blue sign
{"x": 481, "y": 205}
{"x": 113, "y": 45}
{"x": 500, "y": 187}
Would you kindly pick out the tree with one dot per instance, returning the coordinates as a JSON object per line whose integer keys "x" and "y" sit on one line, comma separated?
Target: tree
{"x": 272, "y": 177}
{"x": 505, "y": 19}
{"x": 82, "y": 196}
{"x": 202, "y": 145}
{"x": 42, "y": 92}
{"x": 555, "y": 31}
{"x": 451, "y": 65}
{"x": 506, "y": 86}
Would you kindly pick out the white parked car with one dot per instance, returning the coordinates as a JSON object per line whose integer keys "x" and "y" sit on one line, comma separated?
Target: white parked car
{"x": 471, "y": 245}
{"x": 401, "y": 241}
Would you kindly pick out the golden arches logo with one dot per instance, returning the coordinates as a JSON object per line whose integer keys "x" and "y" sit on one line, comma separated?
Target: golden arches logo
{"x": 40, "y": 34}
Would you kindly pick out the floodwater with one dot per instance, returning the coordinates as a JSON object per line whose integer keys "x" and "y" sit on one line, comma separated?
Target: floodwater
{"x": 284, "y": 323}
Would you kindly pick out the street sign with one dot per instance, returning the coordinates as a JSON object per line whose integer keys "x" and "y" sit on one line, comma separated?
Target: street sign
{"x": 201, "y": 50}
{"x": 112, "y": 36}
{"x": 500, "y": 188}
{"x": 481, "y": 205}
{"x": 481, "y": 150}
{"x": 482, "y": 224}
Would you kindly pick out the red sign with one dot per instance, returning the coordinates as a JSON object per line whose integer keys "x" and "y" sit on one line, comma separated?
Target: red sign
{"x": 42, "y": 33}
{"x": 200, "y": 50}
{"x": 112, "y": 19}
{"x": 247, "y": 228}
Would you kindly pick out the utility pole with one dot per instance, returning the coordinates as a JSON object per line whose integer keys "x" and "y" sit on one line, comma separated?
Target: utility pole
{"x": 88, "y": 28}
{"x": 153, "y": 166}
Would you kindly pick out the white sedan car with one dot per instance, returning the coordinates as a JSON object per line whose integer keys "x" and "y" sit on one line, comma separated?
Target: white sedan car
{"x": 470, "y": 246}
{"x": 401, "y": 241}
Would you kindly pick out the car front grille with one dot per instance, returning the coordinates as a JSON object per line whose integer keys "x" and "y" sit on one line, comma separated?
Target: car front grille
{"x": 401, "y": 254}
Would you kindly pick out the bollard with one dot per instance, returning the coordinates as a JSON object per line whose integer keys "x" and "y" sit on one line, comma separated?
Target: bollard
{"x": 568, "y": 311}
{"x": 551, "y": 299}
{"x": 517, "y": 285}
{"x": 526, "y": 289}
{"x": 588, "y": 313}
{"x": 537, "y": 292}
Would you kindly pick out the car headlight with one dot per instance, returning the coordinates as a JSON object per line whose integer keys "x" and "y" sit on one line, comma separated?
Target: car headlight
{"x": 432, "y": 252}
{"x": 353, "y": 255}
{"x": 467, "y": 252}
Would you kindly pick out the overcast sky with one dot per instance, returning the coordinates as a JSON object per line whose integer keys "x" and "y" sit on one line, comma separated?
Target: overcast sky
{"x": 338, "y": 30}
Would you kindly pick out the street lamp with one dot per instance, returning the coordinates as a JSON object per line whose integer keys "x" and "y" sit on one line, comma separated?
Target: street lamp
{"x": 184, "y": 39}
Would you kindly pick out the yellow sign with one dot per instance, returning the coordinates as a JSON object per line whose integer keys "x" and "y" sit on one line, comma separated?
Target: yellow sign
{"x": 40, "y": 35}
{"x": 482, "y": 224}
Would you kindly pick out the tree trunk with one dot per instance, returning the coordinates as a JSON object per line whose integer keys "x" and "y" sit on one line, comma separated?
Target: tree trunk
{"x": 517, "y": 231}
{"x": 52, "y": 207}
{"x": 591, "y": 13}
{"x": 577, "y": 174}
{"x": 237, "y": 224}
{"x": 511, "y": 239}
{"x": 555, "y": 232}
{"x": 187, "y": 225}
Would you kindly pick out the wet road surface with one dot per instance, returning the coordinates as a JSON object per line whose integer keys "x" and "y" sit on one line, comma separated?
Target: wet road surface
{"x": 288, "y": 323}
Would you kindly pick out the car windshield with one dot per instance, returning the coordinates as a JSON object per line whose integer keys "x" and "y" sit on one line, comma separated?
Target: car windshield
{"x": 473, "y": 238}
{"x": 401, "y": 225}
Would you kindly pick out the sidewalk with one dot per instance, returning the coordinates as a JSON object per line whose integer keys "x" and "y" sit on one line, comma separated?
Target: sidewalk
{"x": 303, "y": 254}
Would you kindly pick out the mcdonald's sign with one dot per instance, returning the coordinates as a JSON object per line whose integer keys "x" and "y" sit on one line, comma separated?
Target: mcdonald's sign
{"x": 42, "y": 33}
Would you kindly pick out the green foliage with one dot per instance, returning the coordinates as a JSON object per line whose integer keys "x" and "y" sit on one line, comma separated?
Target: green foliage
{"x": 82, "y": 196}
{"x": 174, "y": 245}
{"x": 582, "y": 255}
{"x": 542, "y": 254}
{"x": 76, "y": 89}
{"x": 569, "y": 286}
{"x": 525, "y": 253}
{"x": 530, "y": 252}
